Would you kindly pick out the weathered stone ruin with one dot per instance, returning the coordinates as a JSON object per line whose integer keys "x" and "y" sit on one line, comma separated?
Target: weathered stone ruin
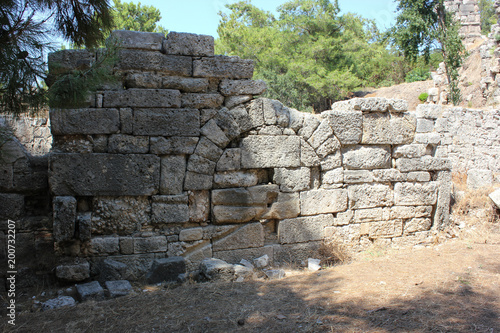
{"x": 467, "y": 13}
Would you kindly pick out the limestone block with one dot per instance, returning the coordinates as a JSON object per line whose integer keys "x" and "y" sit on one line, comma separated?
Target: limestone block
{"x": 442, "y": 212}
{"x": 235, "y": 256}
{"x": 270, "y": 152}
{"x": 232, "y": 101}
{"x": 142, "y": 98}
{"x": 197, "y": 182}
{"x": 167, "y": 122}
{"x": 256, "y": 112}
{"x": 173, "y": 169}
{"x": 199, "y": 206}
{"x": 104, "y": 174}
{"x": 126, "y": 121}
{"x": 238, "y": 178}
{"x": 425, "y": 163}
{"x": 358, "y": 176}
{"x": 12, "y": 207}
{"x": 223, "y": 67}
{"x": 65, "y": 61}
{"x": 166, "y": 269}
{"x": 126, "y": 245}
{"x": 371, "y": 215}
{"x": 292, "y": 179}
{"x": 261, "y": 195}
{"x": 242, "y": 118}
{"x": 370, "y": 196}
{"x": 173, "y": 145}
{"x": 309, "y": 125}
{"x": 59, "y": 302}
{"x": 201, "y": 165}
{"x": 408, "y": 212}
{"x": 388, "y": 128}
{"x": 417, "y": 224}
{"x": 6, "y": 177}
{"x": 242, "y": 87}
{"x": 150, "y": 244}
{"x": 128, "y": 144}
{"x": 296, "y": 119}
{"x": 247, "y": 236}
{"x": 215, "y": 134}
{"x": 429, "y": 111}
{"x": 415, "y": 194}
{"x": 320, "y": 135}
{"x": 275, "y": 113}
{"x": 398, "y": 105}
{"x": 366, "y": 157}
{"x": 304, "y": 229}
{"x": 192, "y": 234}
{"x": 346, "y": 125}
{"x": 321, "y": 201}
{"x": 411, "y": 151}
{"x": 308, "y": 156}
{"x": 155, "y": 62}
{"x": 105, "y": 245}
{"x": 371, "y": 104}
{"x": 270, "y": 130}
{"x": 477, "y": 178}
{"x": 118, "y": 288}
{"x": 202, "y": 101}
{"x": 285, "y": 207}
{"x": 146, "y": 80}
{"x": 139, "y": 40}
{"x": 330, "y": 146}
{"x": 418, "y": 176}
{"x": 428, "y": 138}
{"x": 64, "y": 218}
{"x": 182, "y": 43}
{"x": 170, "y": 209}
{"x": 386, "y": 229}
{"x": 331, "y": 177}
{"x": 120, "y": 215}
{"x": 216, "y": 270}
{"x": 90, "y": 291}
{"x": 234, "y": 214}
{"x": 84, "y": 121}
{"x": 344, "y": 218}
{"x": 227, "y": 123}
{"x": 206, "y": 115}
{"x": 424, "y": 125}
{"x": 331, "y": 161}
{"x": 230, "y": 160}
{"x": 184, "y": 84}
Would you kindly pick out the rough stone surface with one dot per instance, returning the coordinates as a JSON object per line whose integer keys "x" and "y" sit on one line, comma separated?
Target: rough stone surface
{"x": 197, "y": 182}
{"x": 119, "y": 215}
{"x": 292, "y": 180}
{"x": 118, "y": 288}
{"x": 89, "y": 291}
{"x": 323, "y": 201}
{"x": 215, "y": 134}
{"x": 155, "y": 61}
{"x": 64, "y": 218}
{"x": 242, "y": 87}
{"x": 139, "y": 40}
{"x": 188, "y": 44}
{"x": 173, "y": 145}
{"x": 146, "y": 98}
{"x": 270, "y": 152}
{"x": 184, "y": 84}
{"x": 304, "y": 229}
{"x": 202, "y": 101}
{"x": 415, "y": 194}
{"x": 495, "y": 197}
{"x": 238, "y": 178}
{"x": 223, "y": 67}
{"x": 84, "y": 121}
{"x": 128, "y": 144}
{"x": 167, "y": 269}
{"x": 347, "y": 125}
{"x": 216, "y": 269}
{"x": 170, "y": 209}
{"x": 230, "y": 160}
{"x": 370, "y": 196}
{"x": 388, "y": 128}
{"x": 172, "y": 174}
{"x": 477, "y": 178}
{"x": 73, "y": 273}
{"x": 59, "y": 302}
{"x": 248, "y": 236}
{"x": 199, "y": 206}
{"x": 366, "y": 157}
{"x": 167, "y": 122}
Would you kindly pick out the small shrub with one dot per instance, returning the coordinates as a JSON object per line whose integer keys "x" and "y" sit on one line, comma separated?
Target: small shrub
{"x": 417, "y": 74}
{"x": 333, "y": 253}
{"x": 423, "y": 97}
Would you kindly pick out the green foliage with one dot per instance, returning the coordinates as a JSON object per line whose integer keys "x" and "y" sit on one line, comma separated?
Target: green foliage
{"x": 129, "y": 16}
{"x": 488, "y": 15}
{"x": 423, "y": 97}
{"x": 418, "y": 74}
{"x": 309, "y": 55}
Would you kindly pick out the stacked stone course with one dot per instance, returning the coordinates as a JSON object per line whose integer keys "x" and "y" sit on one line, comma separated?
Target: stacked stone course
{"x": 181, "y": 159}
{"x": 467, "y": 13}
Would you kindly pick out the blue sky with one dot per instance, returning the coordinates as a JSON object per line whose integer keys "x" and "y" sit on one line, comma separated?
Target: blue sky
{"x": 200, "y": 16}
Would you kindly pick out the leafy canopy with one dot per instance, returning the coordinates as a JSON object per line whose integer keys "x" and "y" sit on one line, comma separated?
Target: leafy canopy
{"x": 129, "y": 16}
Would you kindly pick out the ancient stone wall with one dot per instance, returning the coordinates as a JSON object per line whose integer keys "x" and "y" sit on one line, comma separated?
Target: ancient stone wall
{"x": 32, "y": 132}
{"x": 181, "y": 159}
{"x": 467, "y": 13}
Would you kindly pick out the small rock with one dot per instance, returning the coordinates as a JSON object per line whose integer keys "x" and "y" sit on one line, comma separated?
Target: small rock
{"x": 274, "y": 274}
{"x": 58, "y": 303}
{"x": 118, "y": 288}
{"x": 247, "y": 264}
{"x": 313, "y": 265}
{"x": 91, "y": 290}
{"x": 261, "y": 262}
{"x": 242, "y": 273}
{"x": 216, "y": 269}
{"x": 495, "y": 197}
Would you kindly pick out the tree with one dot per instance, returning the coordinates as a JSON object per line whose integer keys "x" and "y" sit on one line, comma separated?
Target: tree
{"x": 488, "y": 15}
{"x": 129, "y": 16}
{"x": 423, "y": 26}
{"x": 26, "y": 28}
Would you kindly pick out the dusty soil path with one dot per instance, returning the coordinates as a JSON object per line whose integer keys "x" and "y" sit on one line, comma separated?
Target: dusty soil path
{"x": 450, "y": 287}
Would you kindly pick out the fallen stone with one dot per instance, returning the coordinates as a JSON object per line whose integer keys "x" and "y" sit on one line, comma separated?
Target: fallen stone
{"x": 261, "y": 262}
{"x": 167, "y": 269}
{"x": 73, "y": 273}
{"x": 313, "y": 265}
{"x": 88, "y": 291}
{"x": 111, "y": 270}
{"x": 242, "y": 273}
{"x": 247, "y": 264}
{"x": 118, "y": 288}
{"x": 59, "y": 302}
{"x": 495, "y": 197}
{"x": 215, "y": 269}
{"x": 275, "y": 274}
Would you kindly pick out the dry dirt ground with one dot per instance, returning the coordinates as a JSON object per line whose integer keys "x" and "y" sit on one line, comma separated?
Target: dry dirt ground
{"x": 452, "y": 286}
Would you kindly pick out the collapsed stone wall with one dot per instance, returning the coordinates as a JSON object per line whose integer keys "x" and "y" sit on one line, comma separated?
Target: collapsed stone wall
{"x": 181, "y": 159}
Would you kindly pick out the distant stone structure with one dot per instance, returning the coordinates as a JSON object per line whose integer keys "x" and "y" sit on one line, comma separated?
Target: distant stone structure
{"x": 490, "y": 57}
{"x": 467, "y": 13}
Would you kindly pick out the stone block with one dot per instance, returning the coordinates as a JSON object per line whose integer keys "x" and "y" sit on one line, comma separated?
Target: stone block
{"x": 104, "y": 174}
{"x": 270, "y": 152}
{"x": 242, "y": 87}
{"x": 105, "y": 245}
{"x": 243, "y": 178}
{"x": 238, "y": 255}
{"x": 139, "y": 40}
{"x": 170, "y": 209}
{"x": 429, "y": 111}
{"x": 346, "y": 125}
{"x": 84, "y": 121}
{"x": 120, "y": 215}
{"x": 167, "y": 269}
{"x": 184, "y": 84}
{"x": 442, "y": 211}
{"x": 232, "y": 101}
{"x": 230, "y": 160}
{"x": 296, "y": 119}
{"x": 250, "y": 196}
{"x": 358, "y": 176}
{"x": 126, "y": 121}
{"x": 411, "y": 151}
{"x": 477, "y": 178}
{"x": 206, "y": 148}
{"x": 428, "y": 138}
{"x": 223, "y": 67}
{"x": 89, "y": 291}
{"x": 256, "y": 113}
{"x": 308, "y": 156}
{"x": 415, "y": 194}
{"x": 145, "y": 80}
{"x": 202, "y": 101}
{"x": 292, "y": 179}
{"x": 74, "y": 272}
{"x": 310, "y": 123}
{"x": 201, "y": 165}
{"x": 331, "y": 161}
{"x": 417, "y": 224}
{"x": 234, "y": 214}
{"x": 12, "y": 207}
{"x": 304, "y": 229}
{"x": 150, "y": 244}
{"x": 370, "y": 196}
{"x": 145, "y": 61}
{"x": 167, "y": 122}
{"x": 286, "y": 206}
{"x": 227, "y": 123}
{"x": 173, "y": 169}
{"x": 388, "y": 128}
{"x": 323, "y": 201}
{"x": 242, "y": 118}
{"x": 215, "y": 269}
{"x": 118, "y": 288}
{"x": 142, "y": 98}
{"x": 181, "y": 43}
{"x": 495, "y": 197}
{"x": 128, "y": 144}
{"x": 323, "y": 132}
{"x": 425, "y": 163}
{"x": 418, "y": 176}
{"x": 215, "y": 134}
{"x": 65, "y": 61}
{"x": 126, "y": 245}
{"x": 84, "y": 226}
{"x": 59, "y": 302}
{"x": 331, "y": 177}
{"x": 366, "y": 157}
{"x": 385, "y": 229}
{"x": 197, "y": 182}
{"x": 190, "y": 235}
{"x": 199, "y": 206}
{"x": 424, "y": 125}
{"x": 330, "y": 146}
{"x": 371, "y": 215}
{"x": 173, "y": 145}
{"x": 275, "y": 113}
{"x": 110, "y": 270}
{"x": 247, "y": 236}
{"x": 64, "y": 218}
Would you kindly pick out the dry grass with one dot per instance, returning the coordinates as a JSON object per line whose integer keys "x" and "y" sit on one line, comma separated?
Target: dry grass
{"x": 332, "y": 253}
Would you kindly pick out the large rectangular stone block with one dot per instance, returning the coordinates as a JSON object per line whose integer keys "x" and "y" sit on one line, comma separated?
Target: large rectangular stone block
{"x": 139, "y": 40}
{"x": 370, "y": 196}
{"x": 65, "y": 61}
{"x": 167, "y": 122}
{"x": 173, "y": 145}
{"x": 385, "y": 229}
{"x": 173, "y": 169}
{"x": 248, "y": 236}
{"x": 120, "y": 215}
{"x": 347, "y": 125}
{"x": 182, "y": 43}
{"x": 142, "y": 98}
{"x": 234, "y": 214}
{"x": 64, "y": 218}
{"x": 425, "y": 163}
{"x": 155, "y": 61}
{"x": 323, "y": 201}
{"x": 84, "y": 121}
{"x": 256, "y": 195}
{"x": 170, "y": 209}
{"x": 388, "y": 128}
{"x": 366, "y": 157}
{"x": 415, "y": 194}
{"x": 104, "y": 174}
{"x": 304, "y": 229}
{"x": 270, "y": 152}
{"x": 242, "y": 87}
{"x": 223, "y": 67}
